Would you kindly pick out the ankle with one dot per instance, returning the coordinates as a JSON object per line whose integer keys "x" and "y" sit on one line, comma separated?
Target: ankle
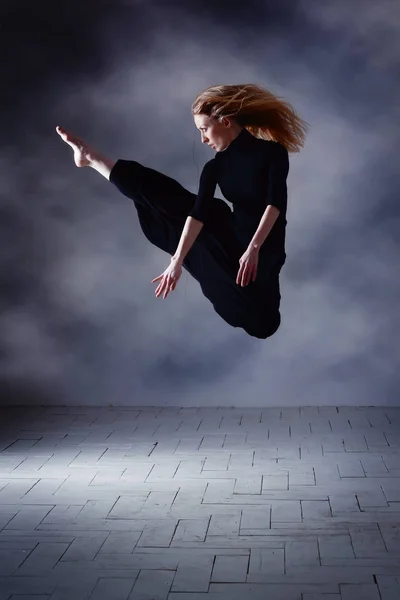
{"x": 102, "y": 165}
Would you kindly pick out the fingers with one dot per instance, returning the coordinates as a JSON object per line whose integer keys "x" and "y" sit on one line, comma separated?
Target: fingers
{"x": 243, "y": 275}
{"x": 160, "y": 289}
{"x": 167, "y": 282}
{"x": 239, "y": 275}
{"x": 246, "y": 274}
{"x": 166, "y": 285}
{"x": 169, "y": 288}
{"x": 246, "y": 277}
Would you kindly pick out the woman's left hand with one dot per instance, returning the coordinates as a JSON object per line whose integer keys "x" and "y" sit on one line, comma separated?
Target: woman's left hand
{"x": 169, "y": 279}
{"x": 248, "y": 267}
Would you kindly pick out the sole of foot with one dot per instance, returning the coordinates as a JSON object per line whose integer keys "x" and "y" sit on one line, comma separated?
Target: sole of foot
{"x": 82, "y": 152}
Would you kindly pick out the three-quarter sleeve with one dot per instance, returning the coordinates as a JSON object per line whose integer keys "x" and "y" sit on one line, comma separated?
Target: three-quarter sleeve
{"x": 207, "y": 185}
{"x": 278, "y": 162}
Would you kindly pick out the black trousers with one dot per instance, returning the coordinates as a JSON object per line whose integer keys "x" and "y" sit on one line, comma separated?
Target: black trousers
{"x": 163, "y": 205}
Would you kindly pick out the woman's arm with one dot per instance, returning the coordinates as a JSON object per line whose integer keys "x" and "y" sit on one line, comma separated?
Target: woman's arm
{"x": 190, "y": 232}
{"x": 249, "y": 261}
{"x": 268, "y": 219}
{"x": 276, "y": 194}
{"x": 193, "y": 225}
{"x": 200, "y": 212}
{"x": 277, "y": 199}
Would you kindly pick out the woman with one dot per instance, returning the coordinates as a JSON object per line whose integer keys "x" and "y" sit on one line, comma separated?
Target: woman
{"x": 236, "y": 256}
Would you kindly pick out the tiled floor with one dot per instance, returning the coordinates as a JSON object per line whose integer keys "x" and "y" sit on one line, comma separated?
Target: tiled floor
{"x": 189, "y": 504}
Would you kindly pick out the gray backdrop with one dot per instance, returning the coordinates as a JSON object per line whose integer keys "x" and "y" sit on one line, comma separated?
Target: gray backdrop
{"x": 80, "y": 323}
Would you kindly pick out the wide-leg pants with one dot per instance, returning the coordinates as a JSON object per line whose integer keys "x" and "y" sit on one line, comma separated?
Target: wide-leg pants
{"x": 163, "y": 205}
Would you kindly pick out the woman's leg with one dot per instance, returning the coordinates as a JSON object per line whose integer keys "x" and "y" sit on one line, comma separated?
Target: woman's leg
{"x": 163, "y": 205}
{"x": 85, "y": 156}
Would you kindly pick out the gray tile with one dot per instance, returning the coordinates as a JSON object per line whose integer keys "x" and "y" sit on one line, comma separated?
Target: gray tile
{"x": 230, "y": 569}
{"x": 171, "y": 503}
{"x": 110, "y": 588}
{"x": 29, "y": 597}
{"x": 267, "y": 561}
{"x": 193, "y": 574}
{"x": 84, "y": 549}
{"x": 152, "y": 585}
{"x": 191, "y": 530}
{"x": 11, "y": 558}
{"x": 320, "y": 596}
{"x": 364, "y": 591}
{"x": 389, "y": 586}
{"x": 28, "y": 517}
{"x": 301, "y": 553}
{"x": 120, "y": 542}
{"x": 335, "y": 546}
{"x": 224, "y": 524}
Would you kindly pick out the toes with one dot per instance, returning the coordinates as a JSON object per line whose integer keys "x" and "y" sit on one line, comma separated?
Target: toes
{"x": 64, "y": 134}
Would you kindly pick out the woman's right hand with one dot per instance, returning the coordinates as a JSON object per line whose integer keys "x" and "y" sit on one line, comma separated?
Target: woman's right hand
{"x": 168, "y": 279}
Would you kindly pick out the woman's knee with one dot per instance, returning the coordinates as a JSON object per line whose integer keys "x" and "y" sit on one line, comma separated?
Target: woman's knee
{"x": 264, "y": 328}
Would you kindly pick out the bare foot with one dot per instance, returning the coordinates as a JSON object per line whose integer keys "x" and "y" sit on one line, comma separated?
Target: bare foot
{"x": 83, "y": 154}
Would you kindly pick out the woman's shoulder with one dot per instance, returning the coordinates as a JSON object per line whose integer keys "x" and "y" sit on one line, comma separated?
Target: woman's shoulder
{"x": 209, "y": 166}
{"x": 209, "y": 170}
{"x": 272, "y": 146}
{"x": 272, "y": 150}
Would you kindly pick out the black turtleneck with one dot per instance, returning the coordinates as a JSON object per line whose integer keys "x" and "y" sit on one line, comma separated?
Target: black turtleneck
{"x": 251, "y": 174}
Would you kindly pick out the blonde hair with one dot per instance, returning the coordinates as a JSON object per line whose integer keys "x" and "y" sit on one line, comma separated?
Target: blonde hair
{"x": 263, "y": 114}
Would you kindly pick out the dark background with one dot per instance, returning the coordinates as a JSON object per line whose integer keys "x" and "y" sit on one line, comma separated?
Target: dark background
{"x": 79, "y": 322}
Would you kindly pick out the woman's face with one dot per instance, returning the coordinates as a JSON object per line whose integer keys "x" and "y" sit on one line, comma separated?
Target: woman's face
{"x": 216, "y": 135}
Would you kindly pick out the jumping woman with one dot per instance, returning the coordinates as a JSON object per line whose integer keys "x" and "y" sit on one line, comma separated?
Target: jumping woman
{"x": 235, "y": 255}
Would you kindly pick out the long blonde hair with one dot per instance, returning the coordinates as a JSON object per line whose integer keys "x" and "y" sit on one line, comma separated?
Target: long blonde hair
{"x": 263, "y": 114}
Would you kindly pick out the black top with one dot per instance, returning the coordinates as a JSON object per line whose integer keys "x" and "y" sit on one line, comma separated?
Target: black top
{"x": 251, "y": 174}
